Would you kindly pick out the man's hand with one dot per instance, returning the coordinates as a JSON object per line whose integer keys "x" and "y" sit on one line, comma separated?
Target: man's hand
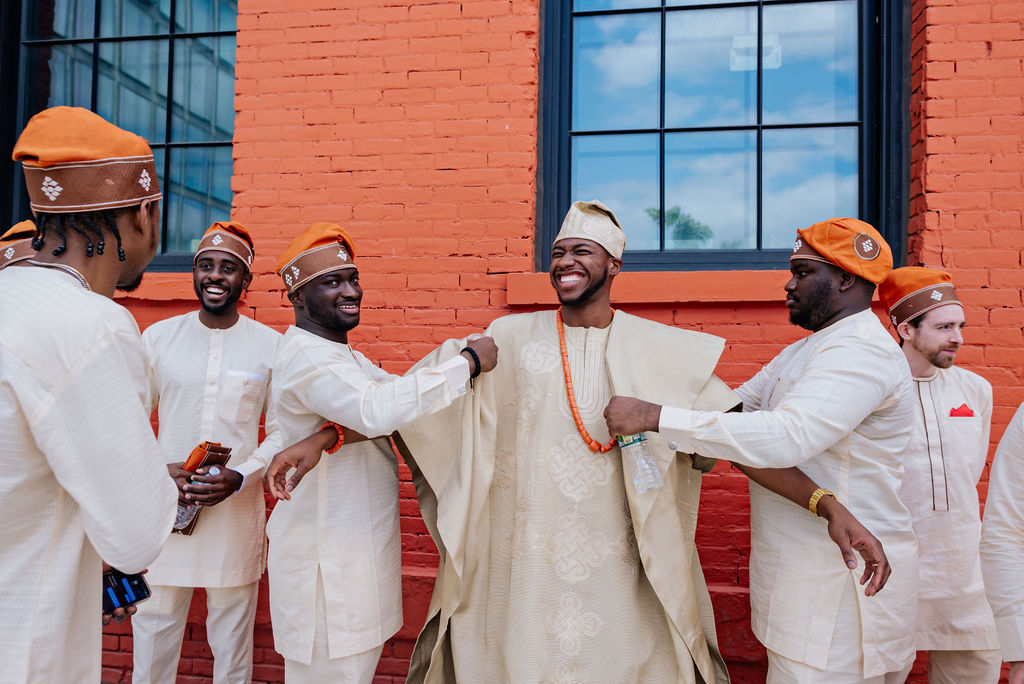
{"x": 629, "y": 416}
{"x": 303, "y": 457}
{"x": 1016, "y": 672}
{"x": 849, "y": 534}
{"x": 486, "y": 349}
{"x": 210, "y": 490}
{"x": 119, "y": 614}
{"x": 180, "y": 478}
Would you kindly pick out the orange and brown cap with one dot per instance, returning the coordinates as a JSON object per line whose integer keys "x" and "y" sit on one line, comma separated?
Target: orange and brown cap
{"x": 321, "y": 248}
{"x": 75, "y": 160}
{"x": 850, "y": 244}
{"x": 16, "y": 244}
{"x": 911, "y": 291}
{"x": 230, "y": 237}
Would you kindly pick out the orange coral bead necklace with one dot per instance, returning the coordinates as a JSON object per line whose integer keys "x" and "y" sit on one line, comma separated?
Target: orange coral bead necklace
{"x": 592, "y": 443}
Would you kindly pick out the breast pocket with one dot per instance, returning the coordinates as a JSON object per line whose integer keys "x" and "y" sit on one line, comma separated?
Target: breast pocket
{"x": 241, "y": 394}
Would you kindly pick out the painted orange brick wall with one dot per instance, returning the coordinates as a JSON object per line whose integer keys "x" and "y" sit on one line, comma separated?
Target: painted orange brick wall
{"x": 414, "y": 125}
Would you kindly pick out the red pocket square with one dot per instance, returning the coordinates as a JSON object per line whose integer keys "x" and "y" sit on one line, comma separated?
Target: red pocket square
{"x": 961, "y": 411}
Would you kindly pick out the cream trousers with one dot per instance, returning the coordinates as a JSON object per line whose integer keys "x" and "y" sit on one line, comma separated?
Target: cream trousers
{"x": 159, "y": 625}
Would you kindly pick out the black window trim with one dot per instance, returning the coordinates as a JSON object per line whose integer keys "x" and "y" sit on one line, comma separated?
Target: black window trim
{"x": 13, "y": 197}
{"x": 884, "y": 112}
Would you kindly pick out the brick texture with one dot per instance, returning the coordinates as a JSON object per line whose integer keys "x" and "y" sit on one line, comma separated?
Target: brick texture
{"x": 414, "y": 124}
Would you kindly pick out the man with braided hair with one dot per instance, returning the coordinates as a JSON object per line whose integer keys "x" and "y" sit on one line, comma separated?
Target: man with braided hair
{"x": 72, "y": 395}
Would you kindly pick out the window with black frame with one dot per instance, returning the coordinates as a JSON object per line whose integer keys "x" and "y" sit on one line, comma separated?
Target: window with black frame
{"x": 713, "y": 129}
{"x": 164, "y": 69}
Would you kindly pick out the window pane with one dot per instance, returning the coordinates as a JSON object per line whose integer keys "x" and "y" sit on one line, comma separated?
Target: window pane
{"x": 809, "y": 175}
{"x": 711, "y": 190}
{"x": 622, "y": 172}
{"x": 58, "y": 75}
{"x": 206, "y": 15}
{"x": 684, "y": 3}
{"x": 588, "y": 5}
{"x": 134, "y": 17}
{"x": 60, "y": 18}
{"x": 204, "y": 89}
{"x": 810, "y": 62}
{"x": 616, "y": 72}
{"x": 711, "y": 67}
{"x": 198, "y": 192}
{"x": 132, "y": 88}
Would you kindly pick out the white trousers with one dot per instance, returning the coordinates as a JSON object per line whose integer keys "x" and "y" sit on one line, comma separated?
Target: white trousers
{"x": 159, "y": 625}
{"x": 957, "y": 667}
{"x": 358, "y": 668}
{"x": 845, "y": 656}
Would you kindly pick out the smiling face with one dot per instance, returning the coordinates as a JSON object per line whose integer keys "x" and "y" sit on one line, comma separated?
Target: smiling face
{"x": 938, "y": 335}
{"x": 811, "y": 293}
{"x": 219, "y": 278}
{"x": 329, "y": 305}
{"x": 581, "y": 270}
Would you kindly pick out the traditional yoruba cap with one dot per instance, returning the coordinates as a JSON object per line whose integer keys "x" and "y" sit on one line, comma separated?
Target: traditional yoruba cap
{"x": 74, "y": 160}
{"x": 594, "y": 221}
{"x": 850, "y": 244}
{"x": 320, "y": 248}
{"x": 16, "y": 244}
{"x": 911, "y": 291}
{"x": 227, "y": 236}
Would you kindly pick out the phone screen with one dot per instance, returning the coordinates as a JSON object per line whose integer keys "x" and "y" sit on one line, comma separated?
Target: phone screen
{"x": 121, "y": 590}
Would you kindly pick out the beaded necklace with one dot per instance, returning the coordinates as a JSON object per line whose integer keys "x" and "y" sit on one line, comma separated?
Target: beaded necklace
{"x": 592, "y": 443}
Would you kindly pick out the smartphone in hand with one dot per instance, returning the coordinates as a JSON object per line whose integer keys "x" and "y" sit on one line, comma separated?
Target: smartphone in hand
{"x": 121, "y": 590}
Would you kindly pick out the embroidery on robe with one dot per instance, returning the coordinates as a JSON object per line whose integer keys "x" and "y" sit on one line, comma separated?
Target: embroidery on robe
{"x": 571, "y": 623}
{"x": 574, "y": 549}
{"x": 578, "y": 471}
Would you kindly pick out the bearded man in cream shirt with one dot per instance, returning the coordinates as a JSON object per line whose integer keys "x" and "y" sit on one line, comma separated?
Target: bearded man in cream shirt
{"x": 838, "y": 405}
{"x": 334, "y": 563}
{"x": 945, "y": 460}
{"x": 210, "y": 373}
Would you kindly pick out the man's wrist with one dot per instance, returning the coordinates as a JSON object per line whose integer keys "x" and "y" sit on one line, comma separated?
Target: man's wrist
{"x": 653, "y": 417}
{"x": 825, "y": 505}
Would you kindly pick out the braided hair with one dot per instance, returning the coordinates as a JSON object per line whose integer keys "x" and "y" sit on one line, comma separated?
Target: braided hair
{"x": 86, "y": 224}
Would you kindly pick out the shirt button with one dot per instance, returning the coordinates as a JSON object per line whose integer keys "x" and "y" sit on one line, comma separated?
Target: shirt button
{"x": 673, "y": 446}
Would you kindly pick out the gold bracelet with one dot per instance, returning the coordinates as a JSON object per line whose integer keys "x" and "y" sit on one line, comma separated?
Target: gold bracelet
{"x": 812, "y": 505}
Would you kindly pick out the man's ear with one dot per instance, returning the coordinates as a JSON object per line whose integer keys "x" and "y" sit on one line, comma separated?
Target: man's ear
{"x": 246, "y": 281}
{"x": 297, "y": 299}
{"x": 615, "y": 266}
{"x": 904, "y": 331}
{"x": 846, "y": 280}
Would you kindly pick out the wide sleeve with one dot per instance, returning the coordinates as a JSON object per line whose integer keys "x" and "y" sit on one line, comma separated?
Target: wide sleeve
{"x": 99, "y": 443}
{"x": 812, "y": 417}
{"x": 1002, "y": 539}
{"x": 341, "y": 392}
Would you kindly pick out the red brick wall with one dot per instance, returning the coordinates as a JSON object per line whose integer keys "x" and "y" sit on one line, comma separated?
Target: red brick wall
{"x": 414, "y": 125}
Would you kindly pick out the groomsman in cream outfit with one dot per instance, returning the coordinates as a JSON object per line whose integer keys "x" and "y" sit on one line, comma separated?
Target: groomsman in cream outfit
{"x": 335, "y": 547}
{"x": 81, "y": 477}
{"x": 1002, "y": 544}
{"x": 945, "y": 459}
{"x": 838, "y": 405}
{"x": 210, "y": 372}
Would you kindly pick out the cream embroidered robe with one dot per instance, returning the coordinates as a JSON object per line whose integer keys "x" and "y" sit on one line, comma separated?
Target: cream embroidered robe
{"x": 553, "y": 568}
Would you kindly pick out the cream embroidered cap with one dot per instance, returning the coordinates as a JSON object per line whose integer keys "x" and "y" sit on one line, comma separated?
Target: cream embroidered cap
{"x": 594, "y": 221}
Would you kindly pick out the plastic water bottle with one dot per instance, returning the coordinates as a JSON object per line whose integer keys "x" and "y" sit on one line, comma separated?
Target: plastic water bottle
{"x": 635, "y": 448}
